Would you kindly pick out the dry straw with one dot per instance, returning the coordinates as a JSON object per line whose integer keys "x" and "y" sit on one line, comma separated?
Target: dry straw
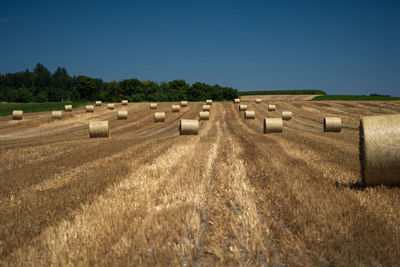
{"x": 153, "y": 106}
{"x": 124, "y": 102}
{"x": 273, "y": 125}
{"x": 242, "y": 107}
{"x": 236, "y": 101}
{"x": 176, "y": 108}
{"x": 159, "y": 116}
{"x": 271, "y": 107}
{"x": 122, "y": 115}
{"x": 380, "y": 150}
{"x": 258, "y": 100}
{"x": 287, "y": 115}
{"x": 110, "y": 106}
{"x": 68, "y": 108}
{"x": 89, "y": 108}
{"x": 206, "y": 107}
{"x": 332, "y": 124}
{"x": 56, "y": 115}
{"x": 99, "y": 129}
{"x": 249, "y": 114}
{"x": 204, "y": 115}
{"x": 184, "y": 103}
{"x": 17, "y": 114}
{"x": 98, "y": 103}
{"x": 189, "y": 127}
{"x": 208, "y": 102}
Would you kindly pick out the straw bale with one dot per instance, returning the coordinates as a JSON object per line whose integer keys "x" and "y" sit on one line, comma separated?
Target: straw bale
{"x": 287, "y": 115}
{"x": 206, "y": 107}
{"x": 176, "y": 108}
{"x": 208, "y": 102}
{"x": 153, "y": 106}
{"x": 68, "y": 108}
{"x": 99, "y": 129}
{"x": 56, "y": 114}
{"x": 188, "y": 127}
{"x": 98, "y": 103}
{"x": 124, "y": 102}
{"x": 271, "y": 107}
{"x": 273, "y": 125}
{"x": 332, "y": 124}
{"x": 236, "y": 101}
{"x": 89, "y": 108}
{"x": 17, "y": 114}
{"x": 159, "y": 116}
{"x": 242, "y": 107}
{"x": 184, "y": 103}
{"x": 204, "y": 115}
{"x": 122, "y": 115}
{"x": 249, "y": 114}
{"x": 110, "y": 106}
{"x": 258, "y": 100}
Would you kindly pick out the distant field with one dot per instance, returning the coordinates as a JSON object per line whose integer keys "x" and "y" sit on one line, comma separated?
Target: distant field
{"x": 7, "y": 108}
{"x": 277, "y": 97}
{"x": 355, "y": 98}
{"x": 283, "y": 92}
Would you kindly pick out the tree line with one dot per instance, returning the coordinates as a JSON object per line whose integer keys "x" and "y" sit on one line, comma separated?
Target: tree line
{"x": 40, "y": 85}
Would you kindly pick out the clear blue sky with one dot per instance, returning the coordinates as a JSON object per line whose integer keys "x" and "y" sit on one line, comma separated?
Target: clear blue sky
{"x": 342, "y": 47}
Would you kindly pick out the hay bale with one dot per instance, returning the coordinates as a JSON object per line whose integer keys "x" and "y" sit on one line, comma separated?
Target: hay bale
{"x": 258, "y": 100}
{"x": 110, "y": 106}
{"x": 99, "y": 129}
{"x": 208, "y": 102}
{"x": 332, "y": 124}
{"x": 68, "y": 108}
{"x": 206, "y": 107}
{"x": 124, "y": 102}
{"x": 159, "y": 116}
{"x": 287, "y": 115}
{"x": 56, "y": 115}
{"x": 17, "y": 114}
{"x": 153, "y": 106}
{"x": 184, "y": 103}
{"x": 249, "y": 114}
{"x": 122, "y": 115}
{"x": 176, "y": 108}
{"x": 271, "y": 107}
{"x": 189, "y": 127}
{"x": 273, "y": 125}
{"x": 204, "y": 115}
{"x": 242, "y": 107}
{"x": 89, "y": 108}
{"x": 236, "y": 101}
{"x": 380, "y": 150}
{"x": 98, "y": 103}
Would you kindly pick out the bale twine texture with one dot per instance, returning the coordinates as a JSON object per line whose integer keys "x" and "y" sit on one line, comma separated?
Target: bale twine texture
{"x": 258, "y": 100}
{"x": 89, "y": 108}
{"x": 68, "y": 108}
{"x": 56, "y": 115}
{"x": 98, "y": 103}
{"x": 332, "y": 124}
{"x": 176, "y": 108}
{"x": 153, "y": 106}
{"x": 242, "y": 107}
{"x": 122, "y": 115}
{"x": 287, "y": 115}
{"x": 236, "y": 101}
{"x": 271, "y": 107}
{"x": 188, "y": 127}
{"x": 99, "y": 129}
{"x": 159, "y": 116}
{"x": 208, "y": 102}
{"x": 17, "y": 114}
{"x": 380, "y": 150}
{"x": 184, "y": 103}
{"x": 249, "y": 114}
{"x": 273, "y": 125}
{"x": 206, "y": 107}
{"x": 124, "y": 102}
{"x": 204, "y": 115}
{"x": 110, "y": 106}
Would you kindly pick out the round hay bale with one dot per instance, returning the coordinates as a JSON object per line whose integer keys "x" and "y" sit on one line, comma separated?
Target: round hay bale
{"x": 242, "y": 107}
{"x": 208, "y": 102}
{"x": 184, "y": 103}
{"x": 122, "y": 115}
{"x": 249, "y": 114}
{"x": 176, "y": 108}
{"x": 98, "y": 103}
{"x": 206, "y": 107}
{"x": 204, "y": 115}
{"x": 271, "y": 107}
{"x": 17, "y": 114}
{"x": 56, "y": 115}
{"x": 110, "y": 106}
{"x": 99, "y": 129}
{"x": 68, "y": 108}
{"x": 258, "y": 100}
{"x": 89, "y": 108}
{"x": 380, "y": 150}
{"x": 236, "y": 101}
{"x": 287, "y": 115}
{"x": 159, "y": 116}
{"x": 153, "y": 106}
{"x": 124, "y": 102}
{"x": 332, "y": 124}
{"x": 273, "y": 125}
{"x": 189, "y": 127}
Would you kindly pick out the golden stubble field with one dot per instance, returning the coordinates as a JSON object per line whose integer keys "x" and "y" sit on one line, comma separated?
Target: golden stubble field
{"x": 228, "y": 196}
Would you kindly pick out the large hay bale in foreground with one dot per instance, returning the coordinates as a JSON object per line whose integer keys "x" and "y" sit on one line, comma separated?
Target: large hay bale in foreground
{"x": 242, "y": 107}
{"x": 98, "y": 103}
{"x": 332, "y": 124}
{"x": 204, "y": 115}
{"x": 258, "y": 100}
{"x": 271, "y": 107}
{"x": 110, "y": 106}
{"x": 99, "y": 129}
{"x": 208, "y": 102}
{"x": 153, "y": 106}
{"x": 273, "y": 125}
{"x": 188, "y": 127}
{"x": 17, "y": 114}
{"x": 56, "y": 115}
{"x": 89, "y": 108}
{"x": 287, "y": 115}
{"x": 380, "y": 150}
{"x": 206, "y": 107}
{"x": 68, "y": 108}
{"x": 184, "y": 103}
{"x": 176, "y": 108}
{"x": 249, "y": 114}
{"x": 236, "y": 101}
{"x": 124, "y": 102}
{"x": 122, "y": 115}
{"x": 159, "y": 116}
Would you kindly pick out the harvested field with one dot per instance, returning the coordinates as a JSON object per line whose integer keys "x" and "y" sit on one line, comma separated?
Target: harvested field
{"x": 230, "y": 195}
{"x": 277, "y": 97}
